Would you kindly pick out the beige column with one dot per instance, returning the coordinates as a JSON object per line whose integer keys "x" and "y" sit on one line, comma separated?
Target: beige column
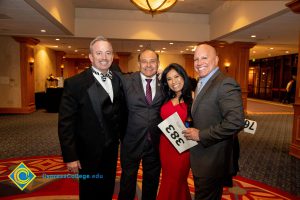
{"x": 189, "y": 65}
{"x": 295, "y": 145}
{"x": 27, "y": 73}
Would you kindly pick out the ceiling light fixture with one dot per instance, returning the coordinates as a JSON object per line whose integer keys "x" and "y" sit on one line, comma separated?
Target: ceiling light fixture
{"x": 154, "y": 6}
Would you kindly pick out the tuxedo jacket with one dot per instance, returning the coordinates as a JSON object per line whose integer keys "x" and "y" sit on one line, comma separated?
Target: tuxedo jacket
{"x": 218, "y": 113}
{"x": 88, "y": 120}
{"x": 142, "y": 118}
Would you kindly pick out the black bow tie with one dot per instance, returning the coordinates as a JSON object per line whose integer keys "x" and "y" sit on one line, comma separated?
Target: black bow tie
{"x": 103, "y": 76}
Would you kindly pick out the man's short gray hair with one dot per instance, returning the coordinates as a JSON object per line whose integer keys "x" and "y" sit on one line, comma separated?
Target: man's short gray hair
{"x": 98, "y": 38}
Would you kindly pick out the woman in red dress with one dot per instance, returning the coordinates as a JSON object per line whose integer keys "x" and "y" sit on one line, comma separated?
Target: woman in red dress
{"x": 175, "y": 166}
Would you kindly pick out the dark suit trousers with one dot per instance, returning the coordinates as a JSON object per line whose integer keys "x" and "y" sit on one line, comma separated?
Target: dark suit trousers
{"x": 99, "y": 187}
{"x": 151, "y": 172}
{"x": 208, "y": 188}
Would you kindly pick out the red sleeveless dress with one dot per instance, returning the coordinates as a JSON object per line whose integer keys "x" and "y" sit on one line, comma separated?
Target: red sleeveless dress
{"x": 175, "y": 166}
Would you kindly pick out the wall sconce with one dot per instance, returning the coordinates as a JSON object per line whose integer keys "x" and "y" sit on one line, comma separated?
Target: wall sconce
{"x": 31, "y": 66}
{"x": 227, "y": 65}
{"x": 62, "y": 70}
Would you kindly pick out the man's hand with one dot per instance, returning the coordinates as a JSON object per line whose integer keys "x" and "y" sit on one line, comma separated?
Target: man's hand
{"x": 191, "y": 134}
{"x": 74, "y": 166}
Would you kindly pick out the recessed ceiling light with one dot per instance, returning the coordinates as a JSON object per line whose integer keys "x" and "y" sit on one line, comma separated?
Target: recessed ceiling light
{"x": 171, "y": 43}
{"x": 287, "y": 52}
{"x": 271, "y": 48}
{"x": 55, "y": 46}
{"x": 186, "y": 49}
{"x": 141, "y": 45}
{"x": 164, "y": 48}
{"x": 69, "y": 47}
{"x": 253, "y": 36}
{"x": 57, "y": 39}
{"x": 43, "y": 31}
{"x": 76, "y": 50}
{"x": 138, "y": 50}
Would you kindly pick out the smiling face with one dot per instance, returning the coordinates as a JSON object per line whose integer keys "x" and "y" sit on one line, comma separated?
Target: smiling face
{"x": 175, "y": 81}
{"x": 149, "y": 63}
{"x": 101, "y": 55}
{"x": 205, "y": 60}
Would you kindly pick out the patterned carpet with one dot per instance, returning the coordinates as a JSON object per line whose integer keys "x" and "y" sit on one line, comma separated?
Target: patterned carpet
{"x": 43, "y": 187}
{"x": 264, "y": 155}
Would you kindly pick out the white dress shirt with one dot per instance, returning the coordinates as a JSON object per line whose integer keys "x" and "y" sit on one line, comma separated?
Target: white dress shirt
{"x": 152, "y": 84}
{"x": 107, "y": 85}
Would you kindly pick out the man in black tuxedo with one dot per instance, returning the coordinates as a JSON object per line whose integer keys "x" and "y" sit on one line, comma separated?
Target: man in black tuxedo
{"x": 90, "y": 123}
{"x": 144, "y": 99}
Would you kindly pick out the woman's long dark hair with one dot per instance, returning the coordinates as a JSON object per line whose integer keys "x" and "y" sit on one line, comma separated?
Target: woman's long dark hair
{"x": 186, "y": 93}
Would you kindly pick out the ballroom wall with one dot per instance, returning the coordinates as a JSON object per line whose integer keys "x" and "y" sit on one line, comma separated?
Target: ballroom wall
{"x": 165, "y": 60}
{"x": 10, "y": 78}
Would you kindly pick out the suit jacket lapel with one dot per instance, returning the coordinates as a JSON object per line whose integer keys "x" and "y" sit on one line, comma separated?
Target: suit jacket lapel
{"x": 203, "y": 91}
{"x": 139, "y": 86}
{"x": 158, "y": 93}
{"x": 115, "y": 84}
{"x": 94, "y": 94}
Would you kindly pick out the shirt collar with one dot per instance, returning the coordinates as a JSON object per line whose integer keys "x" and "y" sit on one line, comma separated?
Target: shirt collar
{"x": 206, "y": 78}
{"x": 98, "y": 71}
{"x": 144, "y": 77}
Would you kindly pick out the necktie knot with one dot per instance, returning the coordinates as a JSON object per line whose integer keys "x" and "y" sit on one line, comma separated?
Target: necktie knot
{"x": 148, "y": 80}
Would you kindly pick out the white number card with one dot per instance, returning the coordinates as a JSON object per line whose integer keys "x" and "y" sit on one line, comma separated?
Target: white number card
{"x": 172, "y": 127}
{"x": 250, "y": 126}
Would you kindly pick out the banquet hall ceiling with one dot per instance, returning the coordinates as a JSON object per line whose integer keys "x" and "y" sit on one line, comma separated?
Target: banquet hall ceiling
{"x": 280, "y": 32}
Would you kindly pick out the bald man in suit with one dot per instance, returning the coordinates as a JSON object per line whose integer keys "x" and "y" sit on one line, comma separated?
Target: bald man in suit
{"x": 218, "y": 116}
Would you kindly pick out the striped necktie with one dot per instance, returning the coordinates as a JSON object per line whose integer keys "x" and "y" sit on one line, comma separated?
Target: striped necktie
{"x": 148, "y": 91}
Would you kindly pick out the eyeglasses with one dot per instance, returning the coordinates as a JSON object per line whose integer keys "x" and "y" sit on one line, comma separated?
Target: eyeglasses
{"x": 151, "y": 62}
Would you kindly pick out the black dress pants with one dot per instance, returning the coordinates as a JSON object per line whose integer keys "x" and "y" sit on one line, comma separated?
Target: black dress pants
{"x": 101, "y": 181}
{"x": 208, "y": 188}
{"x": 151, "y": 172}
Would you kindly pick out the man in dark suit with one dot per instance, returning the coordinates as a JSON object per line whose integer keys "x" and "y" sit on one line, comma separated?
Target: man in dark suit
{"x": 89, "y": 127}
{"x": 218, "y": 116}
{"x": 144, "y": 99}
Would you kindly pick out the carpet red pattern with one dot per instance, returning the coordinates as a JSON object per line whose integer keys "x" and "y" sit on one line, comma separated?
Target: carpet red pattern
{"x": 53, "y": 188}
